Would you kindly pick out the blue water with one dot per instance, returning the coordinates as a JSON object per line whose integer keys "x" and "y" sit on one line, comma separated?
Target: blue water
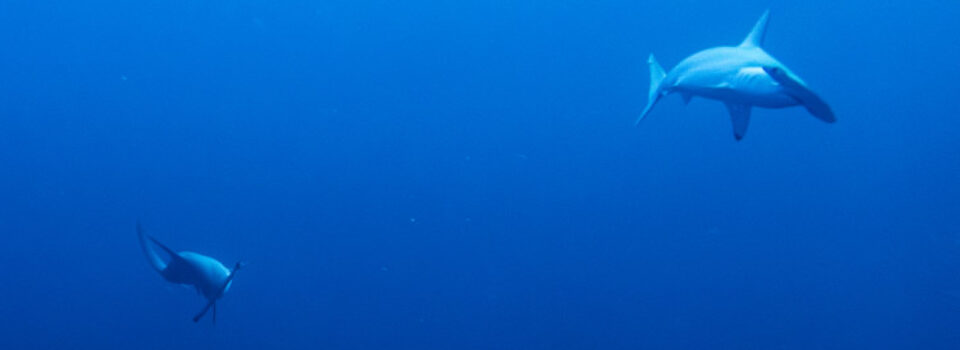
{"x": 465, "y": 175}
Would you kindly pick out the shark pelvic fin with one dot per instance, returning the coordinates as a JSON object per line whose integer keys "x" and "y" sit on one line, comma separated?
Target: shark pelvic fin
{"x": 740, "y": 116}
{"x": 656, "y": 77}
{"x": 755, "y": 38}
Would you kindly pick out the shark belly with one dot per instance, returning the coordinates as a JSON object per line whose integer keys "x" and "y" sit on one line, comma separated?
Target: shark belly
{"x": 746, "y": 85}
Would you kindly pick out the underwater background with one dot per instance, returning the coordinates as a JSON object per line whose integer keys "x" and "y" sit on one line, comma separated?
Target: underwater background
{"x": 466, "y": 175}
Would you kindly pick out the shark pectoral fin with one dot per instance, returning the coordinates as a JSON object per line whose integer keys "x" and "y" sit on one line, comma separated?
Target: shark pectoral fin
{"x": 211, "y": 303}
{"x": 814, "y": 104}
{"x": 740, "y": 116}
{"x": 686, "y": 97}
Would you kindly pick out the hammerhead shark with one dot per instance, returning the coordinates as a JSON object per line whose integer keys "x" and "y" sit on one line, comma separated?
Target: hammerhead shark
{"x": 742, "y": 76}
{"x": 210, "y": 277}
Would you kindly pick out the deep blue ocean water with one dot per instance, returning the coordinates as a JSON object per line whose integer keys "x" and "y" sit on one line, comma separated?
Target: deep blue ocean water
{"x": 465, "y": 175}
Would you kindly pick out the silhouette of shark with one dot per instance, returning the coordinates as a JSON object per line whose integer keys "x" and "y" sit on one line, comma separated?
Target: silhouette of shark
{"x": 210, "y": 277}
{"x": 742, "y": 76}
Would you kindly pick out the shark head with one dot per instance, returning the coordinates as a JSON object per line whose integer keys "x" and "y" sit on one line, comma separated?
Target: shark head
{"x": 781, "y": 73}
{"x": 796, "y": 88}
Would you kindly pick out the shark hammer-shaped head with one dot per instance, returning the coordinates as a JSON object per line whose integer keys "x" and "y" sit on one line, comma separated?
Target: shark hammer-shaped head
{"x": 742, "y": 77}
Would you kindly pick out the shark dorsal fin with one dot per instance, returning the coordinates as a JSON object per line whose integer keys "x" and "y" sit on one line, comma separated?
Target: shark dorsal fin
{"x": 755, "y": 39}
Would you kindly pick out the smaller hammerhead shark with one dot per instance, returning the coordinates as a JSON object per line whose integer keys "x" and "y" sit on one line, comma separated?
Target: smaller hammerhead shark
{"x": 210, "y": 277}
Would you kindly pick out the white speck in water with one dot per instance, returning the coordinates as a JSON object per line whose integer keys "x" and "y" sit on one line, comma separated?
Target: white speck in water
{"x": 413, "y": 220}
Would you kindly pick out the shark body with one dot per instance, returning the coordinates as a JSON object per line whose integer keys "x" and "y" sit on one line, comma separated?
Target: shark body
{"x": 208, "y": 275}
{"x": 743, "y": 77}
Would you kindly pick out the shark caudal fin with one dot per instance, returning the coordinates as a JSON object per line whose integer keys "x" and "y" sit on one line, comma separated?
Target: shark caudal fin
{"x": 175, "y": 270}
{"x": 155, "y": 262}
{"x": 796, "y": 88}
{"x": 656, "y": 76}
{"x": 755, "y": 38}
{"x": 173, "y": 254}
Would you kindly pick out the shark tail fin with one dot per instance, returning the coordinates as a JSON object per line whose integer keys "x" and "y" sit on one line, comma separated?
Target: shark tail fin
{"x": 755, "y": 38}
{"x": 173, "y": 254}
{"x": 656, "y": 77}
{"x": 155, "y": 262}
